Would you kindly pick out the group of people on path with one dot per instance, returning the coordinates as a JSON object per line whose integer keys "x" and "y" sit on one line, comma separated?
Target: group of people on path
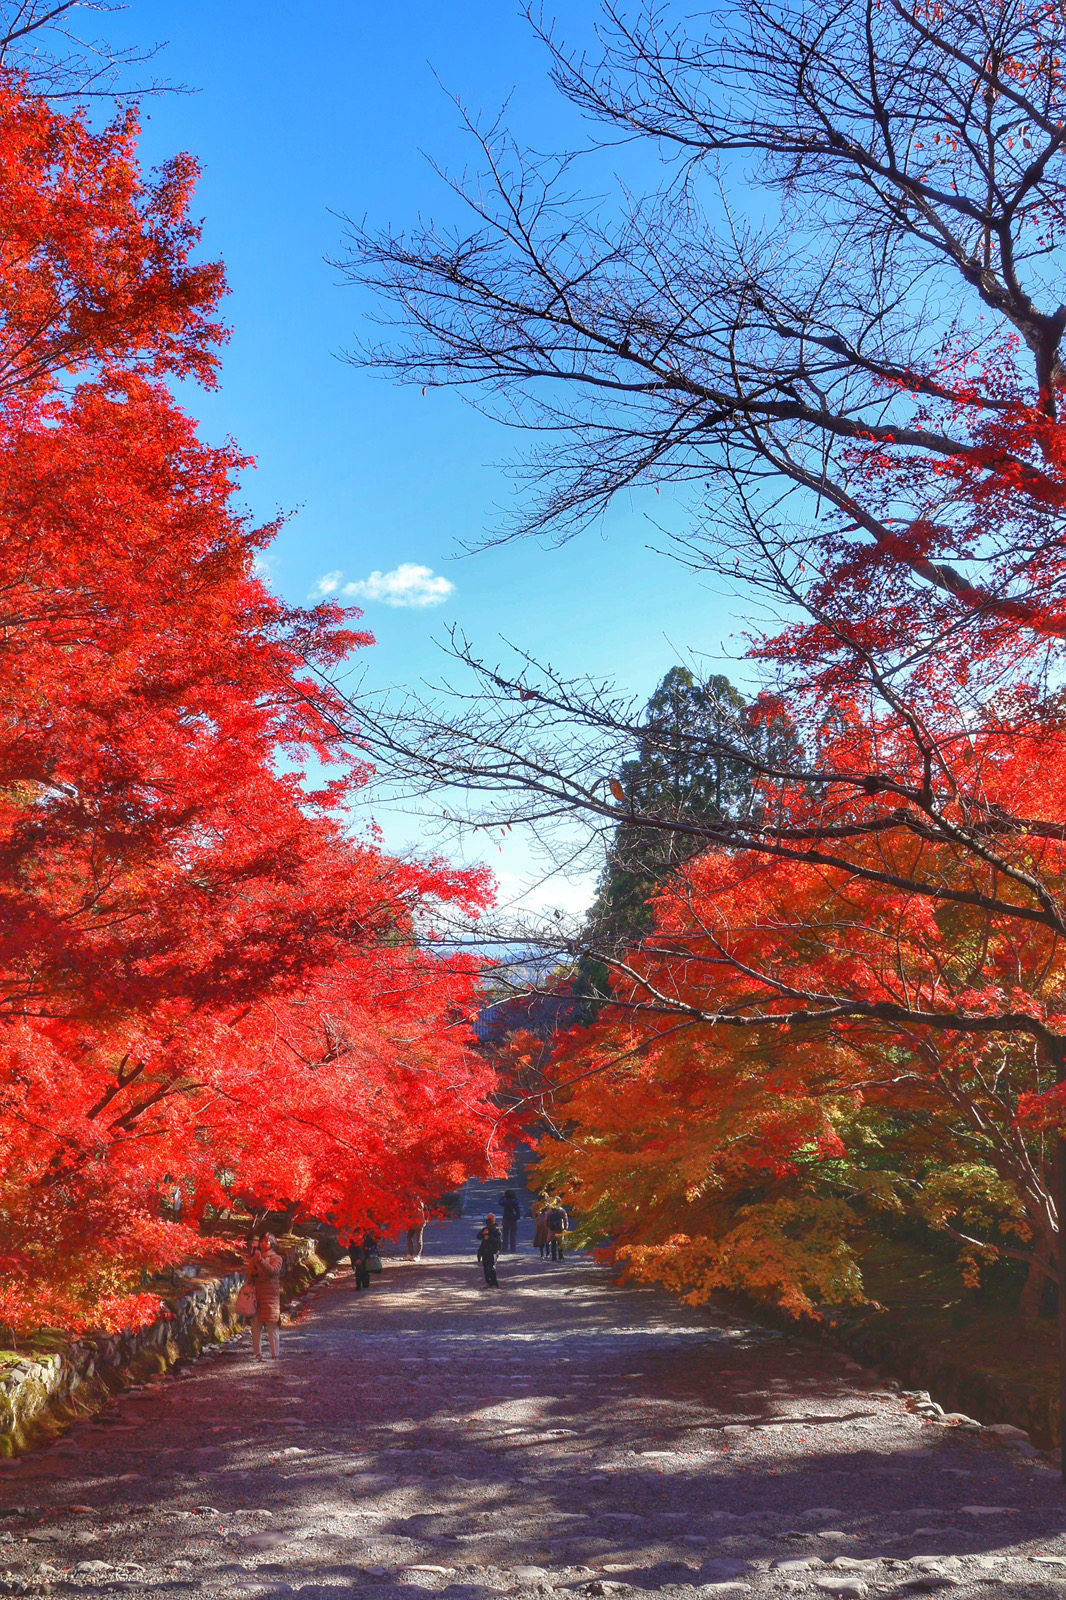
{"x": 551, "y": 1227}
{"x": 262, "y": 1284}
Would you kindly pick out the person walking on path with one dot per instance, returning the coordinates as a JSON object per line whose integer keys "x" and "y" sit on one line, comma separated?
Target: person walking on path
{"x": 264, "y": 1272}
{"x": 490, "y": 1243}
{"x": 361, "y": 1260}
{"x": 558, "y": 1226}
{"x": 541, "y": 1236}
{"x": 511, "y": 1213}
{"x": 416, "y": 1232}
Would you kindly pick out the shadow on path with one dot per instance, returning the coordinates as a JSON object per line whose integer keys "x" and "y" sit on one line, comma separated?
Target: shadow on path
{"x": 560, "y": 1432}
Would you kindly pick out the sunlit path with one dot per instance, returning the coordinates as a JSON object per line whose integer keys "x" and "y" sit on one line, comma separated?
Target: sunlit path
{"x": 560, "y": 1432}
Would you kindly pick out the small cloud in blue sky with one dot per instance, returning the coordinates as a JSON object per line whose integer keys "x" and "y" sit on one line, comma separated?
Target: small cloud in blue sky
{"x": 328, "y": 584}
{"x": 409, "y": 584}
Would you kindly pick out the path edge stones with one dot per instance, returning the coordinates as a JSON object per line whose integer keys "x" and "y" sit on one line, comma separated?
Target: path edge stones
{"x": 955, "y": 1386}
{"x": 41, "y": 1395}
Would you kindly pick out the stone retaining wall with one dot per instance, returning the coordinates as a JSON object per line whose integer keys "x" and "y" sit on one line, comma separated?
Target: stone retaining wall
{"x": 956, "y": 1385}
{"x": 40, "y": 1394}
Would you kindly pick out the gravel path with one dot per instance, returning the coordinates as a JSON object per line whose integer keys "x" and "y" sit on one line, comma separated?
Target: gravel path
{"x": 559, "y": 1433}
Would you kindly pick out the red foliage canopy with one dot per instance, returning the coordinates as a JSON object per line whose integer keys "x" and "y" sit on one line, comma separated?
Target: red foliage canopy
{"x": 204, "y": 978}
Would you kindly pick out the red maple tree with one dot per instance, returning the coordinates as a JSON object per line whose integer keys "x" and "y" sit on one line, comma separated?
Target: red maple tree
{"x": 205, "y": 977}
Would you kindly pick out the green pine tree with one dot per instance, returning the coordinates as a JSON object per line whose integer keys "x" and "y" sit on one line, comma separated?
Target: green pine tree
{"x": 679, "y": 778}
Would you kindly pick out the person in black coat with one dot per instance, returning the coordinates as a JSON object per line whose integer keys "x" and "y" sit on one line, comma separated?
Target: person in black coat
{"x": 511, "y": 1213}
{"x": 490, "y": 1243}
{"x": 359, "y": 1254}
{"x": 558, "y": 1227}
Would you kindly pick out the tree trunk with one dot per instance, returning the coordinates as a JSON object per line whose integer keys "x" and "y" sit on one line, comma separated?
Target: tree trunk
{"x": 1033, "y": 1288}
{"x": 1060, "y": 1218}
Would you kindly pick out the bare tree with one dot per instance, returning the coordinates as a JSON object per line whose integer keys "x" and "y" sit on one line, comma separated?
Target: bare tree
{"x": 916, "y": 169}
{"x": 44, "y": 42}
{"x": 917, "y": 163}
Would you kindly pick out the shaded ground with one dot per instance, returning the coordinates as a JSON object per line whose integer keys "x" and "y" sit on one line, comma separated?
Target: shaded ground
{"x": 927, "y": 1302}
{"x": 558, "y": 1433}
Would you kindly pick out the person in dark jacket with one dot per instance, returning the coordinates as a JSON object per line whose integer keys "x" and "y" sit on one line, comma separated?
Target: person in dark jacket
{"x": 367, "y": 1247}
{"x": 490, "y": 1243}
{"x": 511, "y": 1213}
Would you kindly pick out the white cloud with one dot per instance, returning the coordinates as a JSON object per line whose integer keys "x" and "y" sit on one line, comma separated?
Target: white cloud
{"x": 406, "y": 585}
{"x": 328, "y": 584}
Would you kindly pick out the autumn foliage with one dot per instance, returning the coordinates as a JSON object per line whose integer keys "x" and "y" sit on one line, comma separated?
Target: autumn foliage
{"x": 719, "y": 1149}
{"x": 853, "y": 1015}
{"x": 206, "y": 977}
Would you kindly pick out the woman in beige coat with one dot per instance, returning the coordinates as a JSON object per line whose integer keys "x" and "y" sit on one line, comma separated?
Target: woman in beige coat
{"x": 540, "y": 1232}
{"x": 264, "y": 1271}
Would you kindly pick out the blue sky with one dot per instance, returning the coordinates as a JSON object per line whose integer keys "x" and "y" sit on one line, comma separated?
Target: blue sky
{"x": 302, "y": 115}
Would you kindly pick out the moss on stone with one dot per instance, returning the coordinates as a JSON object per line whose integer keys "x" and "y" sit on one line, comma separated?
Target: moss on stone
{"x": 36, "y": 1409}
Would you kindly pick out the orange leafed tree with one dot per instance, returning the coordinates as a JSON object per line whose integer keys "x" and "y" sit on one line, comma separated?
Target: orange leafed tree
{"x": 95, "y": 263}
{"x": 205, "y": 978}
{"x": 718, "y": 1148}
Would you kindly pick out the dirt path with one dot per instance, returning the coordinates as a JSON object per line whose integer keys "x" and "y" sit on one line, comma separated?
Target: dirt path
{"x": 557, "y": 1433}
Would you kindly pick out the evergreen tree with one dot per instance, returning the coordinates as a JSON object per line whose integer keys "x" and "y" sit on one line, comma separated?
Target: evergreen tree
{"x": 681, "y": 775}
